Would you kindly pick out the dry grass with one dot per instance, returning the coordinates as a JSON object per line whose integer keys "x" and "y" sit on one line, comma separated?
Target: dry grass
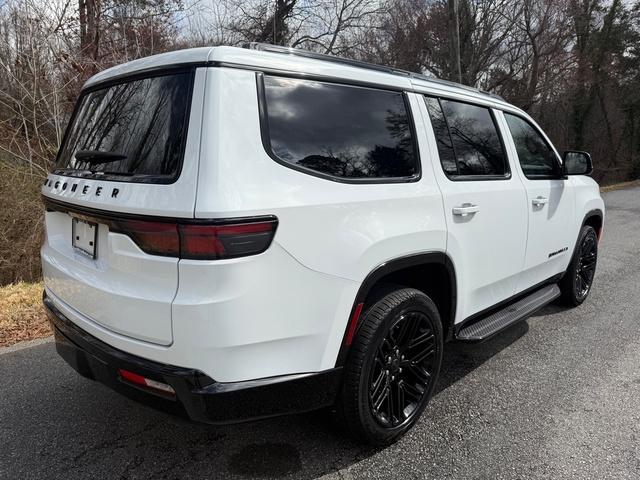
{"x": 22, "y": 316}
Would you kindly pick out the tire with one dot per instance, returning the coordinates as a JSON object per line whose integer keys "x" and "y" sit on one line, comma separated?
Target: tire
{"x": 398, "y": 348}
{"x": 578, "y": 279}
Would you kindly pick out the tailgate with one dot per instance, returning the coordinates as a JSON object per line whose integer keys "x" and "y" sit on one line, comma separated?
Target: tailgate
{"x": 131, "y": 151}
{"x": 122, "y": 289}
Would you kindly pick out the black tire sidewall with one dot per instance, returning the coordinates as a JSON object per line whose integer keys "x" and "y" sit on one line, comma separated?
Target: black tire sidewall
{"x": 567, "y": 284}
{"x": 380, "y": 318}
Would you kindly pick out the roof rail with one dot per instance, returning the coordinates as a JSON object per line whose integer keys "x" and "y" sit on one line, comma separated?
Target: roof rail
{"x": 266, "y": 47}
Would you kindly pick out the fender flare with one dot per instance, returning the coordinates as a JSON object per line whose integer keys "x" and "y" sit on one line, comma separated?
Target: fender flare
{"x": 394, "y": 265}
{"x": 596, "y": 212}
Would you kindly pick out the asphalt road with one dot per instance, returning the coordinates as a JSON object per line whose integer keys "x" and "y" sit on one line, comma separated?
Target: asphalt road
{"x": 557, "y": 396}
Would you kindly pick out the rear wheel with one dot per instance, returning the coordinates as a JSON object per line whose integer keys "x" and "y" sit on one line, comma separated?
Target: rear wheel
{"x": 392, "y": 366}
{"x": 577, "y": 281}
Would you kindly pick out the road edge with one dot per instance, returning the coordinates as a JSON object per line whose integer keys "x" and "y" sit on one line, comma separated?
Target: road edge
{"x": 26, "y": 344}
{"x": 620, "y": 186}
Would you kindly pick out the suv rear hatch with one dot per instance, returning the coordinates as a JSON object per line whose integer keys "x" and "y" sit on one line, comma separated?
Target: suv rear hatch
{"x": 130, "y": 155}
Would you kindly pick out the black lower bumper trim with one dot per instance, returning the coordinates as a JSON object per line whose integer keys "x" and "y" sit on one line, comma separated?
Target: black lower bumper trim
{"x": 198, "y": 396}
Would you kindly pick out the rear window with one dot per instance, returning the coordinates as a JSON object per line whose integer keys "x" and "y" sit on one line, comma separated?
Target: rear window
{"x": 132, "y": 131}
{"x": 339, "y": 131}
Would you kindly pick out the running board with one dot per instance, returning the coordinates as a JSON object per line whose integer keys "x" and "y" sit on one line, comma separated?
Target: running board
{"x": 496, "y": 322}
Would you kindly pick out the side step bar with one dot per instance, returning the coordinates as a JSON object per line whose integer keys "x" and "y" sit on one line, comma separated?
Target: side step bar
{"x": 488, "y": 326}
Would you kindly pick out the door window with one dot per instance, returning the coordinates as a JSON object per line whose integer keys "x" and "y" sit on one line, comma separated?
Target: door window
{"x": 443, "y": 139}
{"x": 468, "y": 141}
{"x": 537, "y": 158}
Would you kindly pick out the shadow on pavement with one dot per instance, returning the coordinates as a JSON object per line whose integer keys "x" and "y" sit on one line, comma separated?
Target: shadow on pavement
{"x": 82, "y": 429}
{"x": 460, "y": 359}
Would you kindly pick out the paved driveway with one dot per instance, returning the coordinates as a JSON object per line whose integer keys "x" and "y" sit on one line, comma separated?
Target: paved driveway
{"x": 557, "y": 396}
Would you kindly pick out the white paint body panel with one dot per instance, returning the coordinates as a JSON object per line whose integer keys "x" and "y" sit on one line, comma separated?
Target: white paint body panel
{"x": 487, "y": 247}
{"x": 123, "y": 290}
{"x": 285, "y": 311}
{"x": 553, "y": 227}
{"x": 548, "y": 232}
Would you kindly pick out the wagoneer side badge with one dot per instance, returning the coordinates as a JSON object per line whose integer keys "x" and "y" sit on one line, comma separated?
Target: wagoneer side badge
{"x": 558, "y": 252}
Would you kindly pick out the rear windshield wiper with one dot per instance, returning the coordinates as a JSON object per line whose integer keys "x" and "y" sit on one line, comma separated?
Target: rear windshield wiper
{"x": 110, "y": 172}
{"x": 95, "y": 157}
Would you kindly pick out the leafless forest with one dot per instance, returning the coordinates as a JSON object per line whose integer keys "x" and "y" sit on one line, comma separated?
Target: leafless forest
{"x": 573, "y": 64}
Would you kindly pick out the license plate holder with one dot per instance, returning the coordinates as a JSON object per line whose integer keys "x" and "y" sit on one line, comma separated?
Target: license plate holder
{"x": 84, "y": 235}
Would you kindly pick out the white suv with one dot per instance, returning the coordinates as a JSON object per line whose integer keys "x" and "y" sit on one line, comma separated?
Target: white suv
{"x": 235, "y": 233}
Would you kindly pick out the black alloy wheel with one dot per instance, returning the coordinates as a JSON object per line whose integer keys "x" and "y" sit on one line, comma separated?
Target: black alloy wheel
{"x": 586, "y": 269}
{"x": 392, "y": 366}
{"x": 578, "y": 279}
{"x": 403, "y": 370}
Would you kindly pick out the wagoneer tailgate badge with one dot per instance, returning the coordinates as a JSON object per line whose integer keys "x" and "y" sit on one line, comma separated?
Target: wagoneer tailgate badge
{"x": 98, "y": 191}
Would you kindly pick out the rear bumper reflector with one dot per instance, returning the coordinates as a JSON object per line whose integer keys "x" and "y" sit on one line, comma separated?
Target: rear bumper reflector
{"x": 353, "y": 324}
{"x": 144, "y": 382}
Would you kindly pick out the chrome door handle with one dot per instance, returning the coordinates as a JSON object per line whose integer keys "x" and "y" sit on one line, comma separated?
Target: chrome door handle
{"x": 466, "y": 209}
{"x": 539, "y": 201}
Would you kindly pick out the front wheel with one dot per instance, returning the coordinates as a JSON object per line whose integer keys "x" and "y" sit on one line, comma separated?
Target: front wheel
{"x": 392, "y": 366}
{"x": 578, "y": 279}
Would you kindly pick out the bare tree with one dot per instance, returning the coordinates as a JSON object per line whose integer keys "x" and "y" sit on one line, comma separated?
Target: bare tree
{"x": 332, "y": 26}
{"x": 46, "y": 52}
{"x": 454, "y": 40}
{"x": 265, "y": 21}
{"x": 537, "y": 54}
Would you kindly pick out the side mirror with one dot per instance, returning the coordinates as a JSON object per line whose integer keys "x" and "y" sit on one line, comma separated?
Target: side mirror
{"x": 576, "y": 162}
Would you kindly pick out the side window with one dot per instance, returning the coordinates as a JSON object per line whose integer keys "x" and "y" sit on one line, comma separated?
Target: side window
{"x": 340, "y": 131}
{"x": 443, "y": 139}
{"x": 467, "y": 138}
{"x": 537, "y": 158}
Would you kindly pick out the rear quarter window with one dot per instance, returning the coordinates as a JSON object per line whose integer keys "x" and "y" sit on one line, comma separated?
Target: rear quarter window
{"x": 340, "y": 132}
{"x": 131, "y": 131}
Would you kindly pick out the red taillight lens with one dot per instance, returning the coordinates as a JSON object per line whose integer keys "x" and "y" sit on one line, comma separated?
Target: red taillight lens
{"x": 200, "y": 241}
{"x": 225, "y": 241}
{"x": 156, "y": 238}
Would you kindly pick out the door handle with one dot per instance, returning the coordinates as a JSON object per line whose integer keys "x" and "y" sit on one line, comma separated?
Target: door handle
{"x": 539, "y": 201}
{"x": 466, "y": 209}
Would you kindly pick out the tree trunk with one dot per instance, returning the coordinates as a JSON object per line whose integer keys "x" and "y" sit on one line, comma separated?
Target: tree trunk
{"x": 89, "y": 16}
{"x": 454, "y": 41}
{"x": 275, "y": 29}
{"x": 82, "y": 14}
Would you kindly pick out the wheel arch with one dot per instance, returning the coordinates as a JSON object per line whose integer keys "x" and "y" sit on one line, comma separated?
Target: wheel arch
{"x": 430, "y": 272}
{"x": 594, "y": 218}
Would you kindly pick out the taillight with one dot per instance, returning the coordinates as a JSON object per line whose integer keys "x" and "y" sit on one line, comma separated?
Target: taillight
{"x": 156, "y": 238}
{"x": 200, "y": 241}
{"x": 225, "y": 241}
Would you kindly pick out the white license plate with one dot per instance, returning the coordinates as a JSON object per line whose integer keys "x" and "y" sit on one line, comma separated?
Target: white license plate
{"x": 84, "y": 236}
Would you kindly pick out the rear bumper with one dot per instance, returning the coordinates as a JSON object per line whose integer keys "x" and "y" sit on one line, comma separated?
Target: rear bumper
{"x": 198, "y": 396}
